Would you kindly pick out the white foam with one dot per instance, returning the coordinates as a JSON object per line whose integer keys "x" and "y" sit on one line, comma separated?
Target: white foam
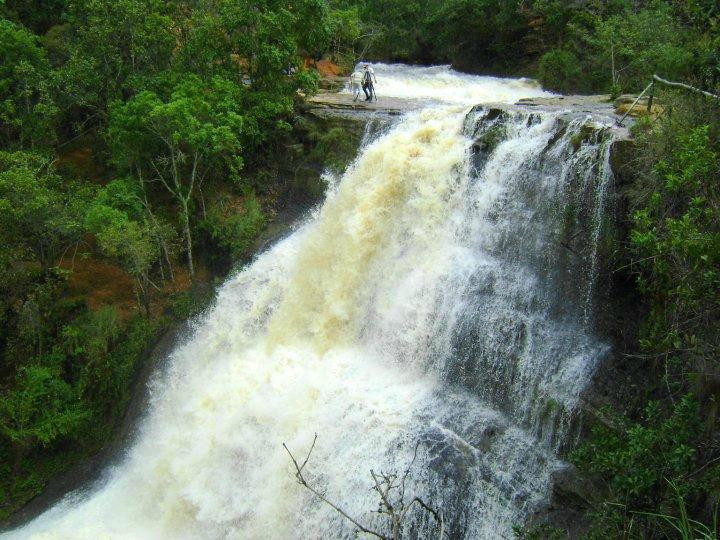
{"x": 442, "y": 83}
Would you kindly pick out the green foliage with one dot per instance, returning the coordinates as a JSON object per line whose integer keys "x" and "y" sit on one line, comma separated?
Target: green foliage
{"x": 128, "y": 241}
{"x": 233, "y": 230}
{"x": 686, "y": 527}
{"x": 106, "y": 356}
{"x": 255, "y": 43}
{"x": 493, "y": 25}
{"x": 37, "y": 15}
{"x": 40, "y": 213}
{"x": 541, "y": 532}
{"x": 76, "y": 395}
{"x": 40, "y": 408}
{"x": 199, "y": 126}
{"x": 651, "y": 467}
{"x": 199, "y": 131}
{"x": 347, "y": 30}
{"x": 643, "y": 43}
{"x": 27, "y": 110}
{"x": 398, "y": 29}
{"x": 471, "y": 34}
{"x": 620, "y": 45}
{"x": 638, "y": 459}
{"x": 661, "y": 470}
{"x": 333, "y": 148}
{"x": 577, "y": 46}
{"x": 676, "y": 240}
{"x": 113, "y": 47}
{"x": 164, "y": 103}
{"x": 190, "y": 303}
{"x": 560, "y": 70}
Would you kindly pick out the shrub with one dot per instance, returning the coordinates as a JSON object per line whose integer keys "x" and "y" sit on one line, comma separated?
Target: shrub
{"x": 560, "y": 71}
{"x": 40, "y": 409}
{"x": 233, "y": 229}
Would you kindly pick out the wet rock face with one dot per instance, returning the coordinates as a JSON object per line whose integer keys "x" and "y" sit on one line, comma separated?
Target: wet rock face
{"x": 622, "y": 155}
{"x": 488, "y": 134}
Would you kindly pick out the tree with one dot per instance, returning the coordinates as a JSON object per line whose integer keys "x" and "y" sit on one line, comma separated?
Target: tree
{"x": 128, "y": 232}
{"x": 560, "y": 70}
{"x": 180, "y": 141}
{"x": 255, "y": 42}
{"x": 472, "y": 33}
{"x": 129, "y": 242}
{"x": 347, "y": 29}
{"x": 643, "y": 43}
{"x": 109, "y": 50}
{"x": 257, "y": 47}
{"x": 27, "y": 111}
{"x": 40, "y": 409}
{"x": 40, "y": 214}
{"x": 37, "y": 15}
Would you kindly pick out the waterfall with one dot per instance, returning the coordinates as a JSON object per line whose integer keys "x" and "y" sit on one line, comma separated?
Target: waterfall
{"x": 436, "y": 299}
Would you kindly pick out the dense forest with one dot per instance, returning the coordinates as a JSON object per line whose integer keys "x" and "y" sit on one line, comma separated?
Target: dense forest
{"x": 139, "y": 150}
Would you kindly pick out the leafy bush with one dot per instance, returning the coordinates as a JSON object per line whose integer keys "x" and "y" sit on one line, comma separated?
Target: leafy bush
{"x": 190, "y": 303}
{"x": 333, "y": 148}
{"x": 560, "y": 70}
{"x": 27, "y": 110}
{"x": 637, "y": 459}
{"x": 233, "y": 229}
{"x": 676, "y": 242}
{"x": 40, "y": 408}
{"x": 647, "y": 466}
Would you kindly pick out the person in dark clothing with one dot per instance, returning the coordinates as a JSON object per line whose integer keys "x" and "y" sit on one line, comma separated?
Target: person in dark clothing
{"x": 368, "y": 83}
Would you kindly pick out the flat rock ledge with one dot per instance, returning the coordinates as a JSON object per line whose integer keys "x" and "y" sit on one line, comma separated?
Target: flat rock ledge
{"x": 341, "y": 104}
{"x": 337, "y": 103}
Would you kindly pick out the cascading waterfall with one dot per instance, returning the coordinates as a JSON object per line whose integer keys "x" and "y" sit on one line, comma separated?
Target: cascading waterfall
{"x": 430, "y": 299}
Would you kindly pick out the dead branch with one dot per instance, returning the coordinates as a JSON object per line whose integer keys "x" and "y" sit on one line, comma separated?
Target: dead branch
{"x": 685, "y": 87}
{"x": 385, "y": 483}
{"x": 301, "y": 480}
{"x": 648, "y": 87}
{"x": 437, "y": 515}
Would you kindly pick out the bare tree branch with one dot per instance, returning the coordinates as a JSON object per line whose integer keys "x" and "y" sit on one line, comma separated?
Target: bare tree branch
{"x": 385, "y": 483}
{"x": 685, "y": 87}
{"x": 301, "y": 480}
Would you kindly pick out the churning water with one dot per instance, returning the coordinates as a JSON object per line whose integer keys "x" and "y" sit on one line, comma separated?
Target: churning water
{"x": 442, "y": 83}
{"x": 429, "y": 300}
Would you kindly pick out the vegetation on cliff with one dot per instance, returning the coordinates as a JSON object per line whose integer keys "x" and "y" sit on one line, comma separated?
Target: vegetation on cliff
{"x": 659, "y": 465}
{"x": 135, "y": 143}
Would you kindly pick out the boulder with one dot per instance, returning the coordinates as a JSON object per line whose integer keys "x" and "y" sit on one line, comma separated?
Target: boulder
{"x": 624, "y": 103}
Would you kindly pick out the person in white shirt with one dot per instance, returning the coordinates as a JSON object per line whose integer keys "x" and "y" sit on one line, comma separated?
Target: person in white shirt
{"x": 356, "y": 83}
{"x": 368, "y": 83}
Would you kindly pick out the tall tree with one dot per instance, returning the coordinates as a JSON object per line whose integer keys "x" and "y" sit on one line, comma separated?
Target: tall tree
{"x": 126, "y": 231}
{"x": 181, "y": 140}
{"x": 110, "y": 49}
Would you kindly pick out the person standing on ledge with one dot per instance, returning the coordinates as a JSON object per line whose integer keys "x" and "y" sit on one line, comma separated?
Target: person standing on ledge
{"x": 369, "y": 81}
